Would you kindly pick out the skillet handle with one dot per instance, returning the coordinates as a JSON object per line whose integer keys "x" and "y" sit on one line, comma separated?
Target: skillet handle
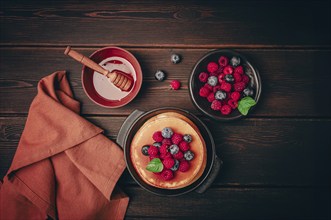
{"x": 212, "y": 175}
{"x": 124, "y": 130}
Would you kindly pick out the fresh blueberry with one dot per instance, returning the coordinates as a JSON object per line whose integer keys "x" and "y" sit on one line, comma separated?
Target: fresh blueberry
{"x": 248, "y": 91}
{"x": 167, "y": 132}
{"x": 175, "y": 166}
{"x": 212, "y": 80}
{"x": 160, "y": 75}
{"x": 188, "y": 155}
{"x": 220, "y": 95}
{"x": 235, "y": 61}
{"x": 175, "y": 58}
{"x": 157, "y": 144}
{"x": 173, "y": 149}
{"x": 229, "y": 78}
{"x": 144, "y": 150}
{"x": 187, "y": 138}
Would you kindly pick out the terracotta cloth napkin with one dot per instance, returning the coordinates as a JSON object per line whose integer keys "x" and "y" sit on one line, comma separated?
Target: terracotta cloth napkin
{"x": 64, "y": 167}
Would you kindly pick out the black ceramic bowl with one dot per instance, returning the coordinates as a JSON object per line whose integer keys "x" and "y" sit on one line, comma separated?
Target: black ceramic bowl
{"x": 132, "y": 124}
{"x": 201, "y": 66}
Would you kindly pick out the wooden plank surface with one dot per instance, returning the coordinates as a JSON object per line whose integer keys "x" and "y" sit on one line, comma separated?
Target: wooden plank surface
{"x": 292, "y": 80}
{"x": 233, "y": 203}
{"x": 185, "y": 24}
{"x": 255, "y": 152}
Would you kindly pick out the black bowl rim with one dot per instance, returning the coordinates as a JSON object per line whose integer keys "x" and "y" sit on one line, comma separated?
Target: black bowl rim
{"x": 192, "y": 76}
{"x": 174, "y": 192}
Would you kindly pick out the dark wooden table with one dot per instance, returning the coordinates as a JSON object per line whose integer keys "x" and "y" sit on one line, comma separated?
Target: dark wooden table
{"x": 276, "y": 161}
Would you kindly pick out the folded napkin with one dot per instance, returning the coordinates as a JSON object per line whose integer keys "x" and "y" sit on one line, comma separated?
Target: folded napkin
{"x": 64, "y": 167}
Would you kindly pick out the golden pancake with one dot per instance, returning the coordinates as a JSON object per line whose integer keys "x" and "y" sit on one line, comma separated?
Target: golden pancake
{"x": 179, "y": 124}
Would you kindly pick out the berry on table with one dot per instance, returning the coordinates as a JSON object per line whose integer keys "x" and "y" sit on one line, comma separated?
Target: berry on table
{"x": 167, "y": 141}
{"x": 184, "y": 146}
{"x": 175, "y": 58}
{"x": 229, "y": 78}
{"x": 160, "y": 75}
{"x": 226, "y": 109}
{"x": 167, "y": 174}
{"x": 179, "y": 155}
{"x": 176, "y": 138}
{"x": 157, "y": 144}
{"x": 239, "y": 86}
{"x": 216, "y": 105}
{"x": 228, "y": 70}
{"x": 168, "y": 162}
{"x": 184, "y": 166}
{"x": 211, "y": 97}
{"x": 144, "y": 150}
{"x": 248, "y": 92}
{"x": 232, "y": 103}
{"x": 164, "y": 149}
{"x": 220, "y": 95}
{"x": 175, "y": 84}
{"x": 235, "y": 96}
{"x": 153, "y": 151}
{"x": 157, "y": 136}
{"x": 226, "y": 87}
{"x": 175, "y": 166}
{"x": 237, "y": 77}
{"x": 239, "y": 69}
{"x": 204, "y": 92}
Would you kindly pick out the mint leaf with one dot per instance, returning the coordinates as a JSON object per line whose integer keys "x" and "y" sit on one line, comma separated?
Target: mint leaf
{"x": 245, "y": 104}
{"x": 155, "y": 165}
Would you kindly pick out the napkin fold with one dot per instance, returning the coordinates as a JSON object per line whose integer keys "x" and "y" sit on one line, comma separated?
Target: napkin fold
{"x": 64, "y": 167}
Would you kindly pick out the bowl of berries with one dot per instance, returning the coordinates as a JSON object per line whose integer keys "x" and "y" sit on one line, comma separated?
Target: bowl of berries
{"x": 169, "y": 151}
{"x": 224, "y": 85}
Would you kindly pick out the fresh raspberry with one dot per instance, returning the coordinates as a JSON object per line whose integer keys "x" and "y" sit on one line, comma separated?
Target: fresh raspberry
{"x": 216, "y": 105}
{"x": 166, "y": 155}
{"x": 203, "y": 77}
{"x": 239, "y": 86}
{"x": 239, "y": 69}
{"x": 204, "y": 92}
{"x": 221, "y": 78}
{"x": 226, "y": 109}
{"x": 235, "y": 96}
{"x": 232, "y": 103}
{"x": 184, "y": 146}
{"x": 167, "y": 141}
{"x": 211, "y": 97}
{"x": 164, "y": 149}
{"x": 168, "y": 162}
{"x": 152, "y": 150}
{"x": 223, "y": 61}
{"x": 216, "y": 88}
{"x": 184, "y": 166}
{"x": 153, "y": 157}
{"x": 226, "y": 87}
{"x": 228, "y": 70}
{"x": 157, "y": 136}
{"x": 245, "y": 79}
{"x": 237, "y": 77}
{"x": 209, "y": 87}
{"x": 167, "y": 174}
{"x": 175, "y": 84}
{"x": 212, "y": 67}
{"x": 176, "y": 138}
{"x": 179, "y": 155}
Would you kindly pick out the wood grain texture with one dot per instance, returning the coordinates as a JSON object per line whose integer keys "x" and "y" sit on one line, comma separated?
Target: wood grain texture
{"x": 168, "y": 24}
{"x": 295, "y": 83}
{"x": 256, "y": 152}
{"x": 233, "y": 203}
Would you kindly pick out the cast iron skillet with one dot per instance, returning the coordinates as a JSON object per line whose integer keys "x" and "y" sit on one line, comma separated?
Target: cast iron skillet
{"x": 132, "y": 124}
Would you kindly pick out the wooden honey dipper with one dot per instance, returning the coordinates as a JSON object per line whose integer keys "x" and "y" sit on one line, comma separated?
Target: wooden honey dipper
{"x": 119, "y": 79}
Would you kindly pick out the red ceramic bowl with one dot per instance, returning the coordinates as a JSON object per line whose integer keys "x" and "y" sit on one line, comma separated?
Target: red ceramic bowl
{"x": 98, "y": 88}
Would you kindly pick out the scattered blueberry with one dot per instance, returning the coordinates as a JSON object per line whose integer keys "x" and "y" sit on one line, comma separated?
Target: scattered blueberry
{"x": 144, "y": 150}
{"x": 220, "y": 95}
{"x": 167, "y": 132}
{"x": 157, "y": 144}
{"x": 160, "y": 75}
{"x": 229, "y": 78}
{"x": 175, "y": 58}
{"x": 175, "y": 166}
{"x": 212, "y": 80}
{"x": 188, "y": 155}
{"x": 235, "y": 61}
{"x": 187, "y": 138}
{"x": 248, "y": 92}
{"x": 173, "y": 149}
